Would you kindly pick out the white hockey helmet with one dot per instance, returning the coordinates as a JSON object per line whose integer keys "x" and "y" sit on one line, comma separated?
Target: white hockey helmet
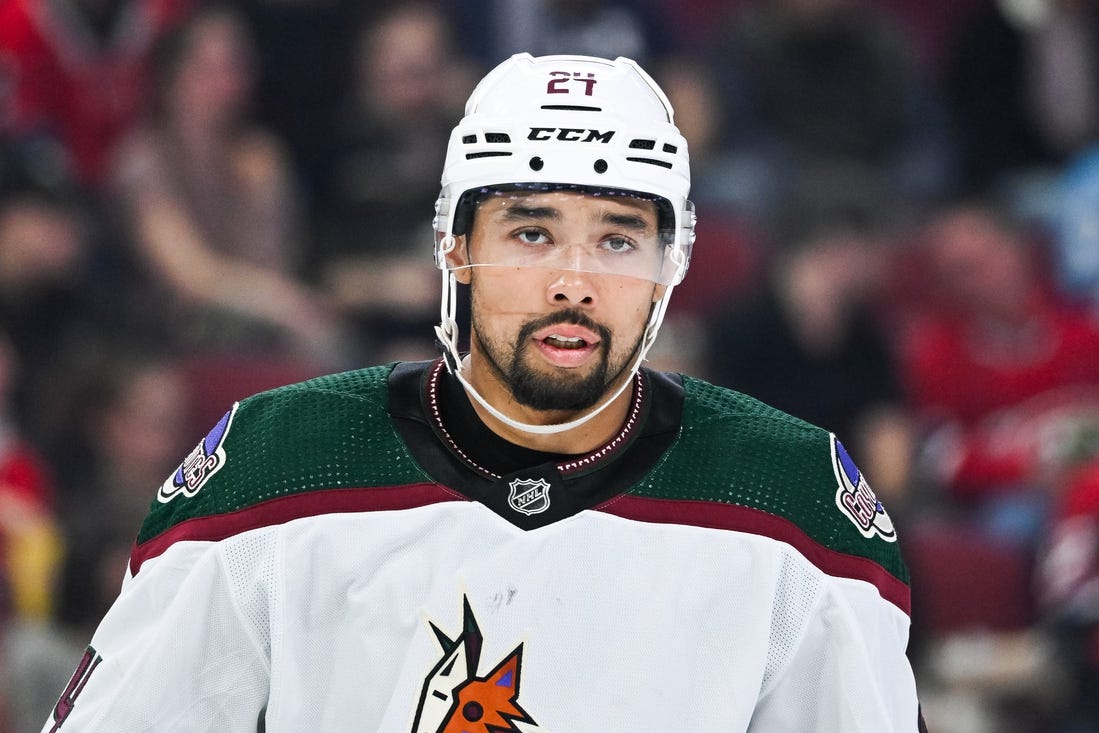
{"x": 566, "y": 122}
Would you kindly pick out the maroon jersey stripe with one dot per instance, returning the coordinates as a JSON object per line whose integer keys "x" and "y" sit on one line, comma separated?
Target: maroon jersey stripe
{"x": 285, "y": 508}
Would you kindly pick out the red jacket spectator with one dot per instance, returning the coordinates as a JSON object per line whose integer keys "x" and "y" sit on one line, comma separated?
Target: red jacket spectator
{"x": 1008, "y": 376}
{"x": 79, "y": 68}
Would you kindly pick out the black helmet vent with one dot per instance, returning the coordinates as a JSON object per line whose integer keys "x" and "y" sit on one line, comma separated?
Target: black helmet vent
{"x": 651, "y": 161}
{"x": 572, "y": 107}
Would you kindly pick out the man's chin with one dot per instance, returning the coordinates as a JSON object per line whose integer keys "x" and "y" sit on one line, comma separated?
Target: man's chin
{"x": 557, "y": 389}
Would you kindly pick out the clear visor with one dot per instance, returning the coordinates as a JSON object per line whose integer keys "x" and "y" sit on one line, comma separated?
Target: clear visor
{"x": 606, "y": 234}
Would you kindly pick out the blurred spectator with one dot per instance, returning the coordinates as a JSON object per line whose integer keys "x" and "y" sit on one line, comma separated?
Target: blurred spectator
{"x": 1074, "y": 221}
{"x": 30, "y": 559}
{"x": 1022, "y": 84}
{"x": 53, "y": 303}
{"x": 830, "y": 94}
{"x": 78, "y": 69}
{"x": 34, "y": 173}
{"x": 372, "y": 228}
{"x": 26, "y": 156}
{"x": 29, "y": 542}
{"x": 493, "y": 30}
{"x": 727, "y": 258}
{"x": 1004, "y": 376}
{"x": 209, "y": 203}
{"x": 303, "y": 47}
{"x": 124, "y": 435}
{"x": 129, "y": 423}
{"x": 808, "y": 343}
{"x": 1068, "y": 594}
{"x": 727, "y": 182}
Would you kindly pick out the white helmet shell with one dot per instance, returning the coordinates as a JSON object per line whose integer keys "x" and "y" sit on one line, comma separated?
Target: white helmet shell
{"x": 573, "y": 121}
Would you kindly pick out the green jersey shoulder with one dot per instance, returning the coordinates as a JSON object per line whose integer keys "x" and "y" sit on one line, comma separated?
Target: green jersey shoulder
{"x": 734, "y": 450}
{"x": 331, "y": 432}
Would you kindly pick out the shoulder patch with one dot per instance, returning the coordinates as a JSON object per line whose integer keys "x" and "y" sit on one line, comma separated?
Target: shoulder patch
{"x": 856, "y": 499}
{"x": 200, "y": 464}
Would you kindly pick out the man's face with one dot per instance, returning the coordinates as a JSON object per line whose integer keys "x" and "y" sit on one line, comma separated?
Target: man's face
{"x": 553, "y": 317}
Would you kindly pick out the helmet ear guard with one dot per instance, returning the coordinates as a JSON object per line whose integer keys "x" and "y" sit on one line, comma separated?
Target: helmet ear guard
{"x": 553, "y": 123}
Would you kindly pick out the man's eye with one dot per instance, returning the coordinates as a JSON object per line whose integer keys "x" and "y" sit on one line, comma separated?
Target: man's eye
{"x": 618, "y": 245}
{"x": 532, "y": 236}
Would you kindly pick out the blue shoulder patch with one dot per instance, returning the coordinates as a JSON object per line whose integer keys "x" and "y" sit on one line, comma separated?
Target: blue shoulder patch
{"x": 200, "y": 464}
{"x": 856, "y": 499}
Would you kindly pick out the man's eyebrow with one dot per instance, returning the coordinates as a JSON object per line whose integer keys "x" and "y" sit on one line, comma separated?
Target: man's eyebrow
{"x": 518, "y": 212}
{"x": 625, "y": 221}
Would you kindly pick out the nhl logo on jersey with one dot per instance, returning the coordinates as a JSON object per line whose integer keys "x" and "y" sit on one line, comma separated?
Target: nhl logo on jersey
{"x": 200, "y": 464}
{"x": 529, "y": 496}
{"x": 857, "y": 500}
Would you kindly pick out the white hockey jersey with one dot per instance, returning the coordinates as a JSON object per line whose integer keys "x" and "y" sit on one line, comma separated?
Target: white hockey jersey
{"x": 332, "y": 558}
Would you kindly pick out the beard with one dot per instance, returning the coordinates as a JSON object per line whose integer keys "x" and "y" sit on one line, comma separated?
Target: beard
{"x": 564, "y": 390}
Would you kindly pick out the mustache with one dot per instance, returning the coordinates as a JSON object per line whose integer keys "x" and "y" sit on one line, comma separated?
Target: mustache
{"x": 572, "y": 316}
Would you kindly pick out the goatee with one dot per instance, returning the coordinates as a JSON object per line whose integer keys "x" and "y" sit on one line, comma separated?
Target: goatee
{"x": 568, "y": 391}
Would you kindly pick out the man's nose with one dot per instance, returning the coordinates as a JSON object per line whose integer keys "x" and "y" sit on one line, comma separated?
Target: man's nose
{"x": 571, "y": 287}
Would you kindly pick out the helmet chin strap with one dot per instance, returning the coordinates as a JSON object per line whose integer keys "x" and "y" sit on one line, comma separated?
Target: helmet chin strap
{"x": 447, "y": 333}
{"x": 551, "y": 429}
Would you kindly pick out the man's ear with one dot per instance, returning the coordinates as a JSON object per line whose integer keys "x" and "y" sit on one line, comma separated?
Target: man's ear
{"x": 458, "y": 260}
{"x": 658, "y": 292}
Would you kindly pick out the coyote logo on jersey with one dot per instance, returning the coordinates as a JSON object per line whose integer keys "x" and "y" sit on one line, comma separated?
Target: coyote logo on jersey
{"x": 456, "y": 700}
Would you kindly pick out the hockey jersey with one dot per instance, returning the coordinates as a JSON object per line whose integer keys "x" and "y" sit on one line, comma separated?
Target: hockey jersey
{"x": 359, "y": 553}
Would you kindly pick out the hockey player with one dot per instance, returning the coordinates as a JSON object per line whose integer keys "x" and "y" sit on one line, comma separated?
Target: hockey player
{"x": 531, "y": 533}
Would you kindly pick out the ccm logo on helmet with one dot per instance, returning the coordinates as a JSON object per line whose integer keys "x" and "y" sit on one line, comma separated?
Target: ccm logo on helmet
{"x": 570, "y": 134}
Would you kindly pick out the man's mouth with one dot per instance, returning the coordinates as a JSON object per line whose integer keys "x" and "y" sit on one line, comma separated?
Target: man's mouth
{"x": 566, "y": 336}
{"x": 565, "y": 342}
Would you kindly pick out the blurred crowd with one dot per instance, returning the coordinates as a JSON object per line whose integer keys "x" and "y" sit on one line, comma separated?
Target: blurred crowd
{"x": 898, "y": 240}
